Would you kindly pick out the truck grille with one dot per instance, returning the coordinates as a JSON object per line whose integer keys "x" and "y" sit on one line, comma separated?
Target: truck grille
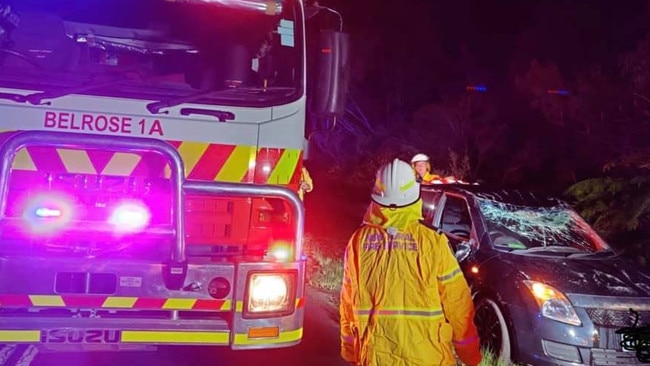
{"x": 616, "y": 318}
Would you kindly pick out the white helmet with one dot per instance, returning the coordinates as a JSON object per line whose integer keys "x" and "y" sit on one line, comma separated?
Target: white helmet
{"x": 395, "y": 185}
{"x": 419, "y": 157}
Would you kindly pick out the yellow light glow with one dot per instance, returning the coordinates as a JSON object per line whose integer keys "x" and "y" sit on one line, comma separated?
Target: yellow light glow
{"x": 268, "y": 292}
{"x": 543, "y": 292}
{"x": 280, "y": 251}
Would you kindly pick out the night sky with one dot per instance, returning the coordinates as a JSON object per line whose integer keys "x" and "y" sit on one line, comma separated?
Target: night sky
{"x": 502, "y": 35}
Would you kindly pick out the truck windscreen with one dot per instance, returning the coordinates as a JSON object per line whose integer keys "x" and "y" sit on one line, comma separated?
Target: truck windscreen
{"x": 154, "y": 50}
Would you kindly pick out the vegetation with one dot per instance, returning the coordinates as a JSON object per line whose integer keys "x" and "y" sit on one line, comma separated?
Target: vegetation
{"x": 489, "y": 359}
{"x": 617, "y": 204}
{"x": 324, "y": 265}
{"x": 538, "y": 126}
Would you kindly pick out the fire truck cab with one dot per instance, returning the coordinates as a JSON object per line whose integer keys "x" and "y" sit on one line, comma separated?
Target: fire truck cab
{"x": 150, "y": 153}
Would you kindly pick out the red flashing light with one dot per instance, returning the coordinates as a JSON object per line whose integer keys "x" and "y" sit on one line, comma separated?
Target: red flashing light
{"x": 326, "y": 50}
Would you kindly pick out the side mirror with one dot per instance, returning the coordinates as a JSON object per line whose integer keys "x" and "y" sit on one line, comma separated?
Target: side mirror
{"x": 463, "y": 250}
{"x": 332, "y": 74}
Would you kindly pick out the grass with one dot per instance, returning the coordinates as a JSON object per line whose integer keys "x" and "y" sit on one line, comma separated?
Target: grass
{"x": 324, "y": 264}
{"x": 490, "y": 359}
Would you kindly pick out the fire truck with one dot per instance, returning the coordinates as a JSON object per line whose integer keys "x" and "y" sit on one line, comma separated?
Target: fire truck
{"x": 150, "y": 155}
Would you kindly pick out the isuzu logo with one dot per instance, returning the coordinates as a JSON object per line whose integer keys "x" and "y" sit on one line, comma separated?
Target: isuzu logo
{"x": 80, "y": 336}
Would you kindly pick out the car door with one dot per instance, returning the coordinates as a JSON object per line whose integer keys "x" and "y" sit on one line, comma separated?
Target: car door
{"x": 453, "y": 218}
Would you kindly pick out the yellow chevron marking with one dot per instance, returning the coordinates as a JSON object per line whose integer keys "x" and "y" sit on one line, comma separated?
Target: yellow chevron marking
{"x": 236, "y": 166}
{"x": 132, "y": 336}
{"x": 46, "y": 300}
{"x": 76, "y": 161}
{"x": 20, "y": 335}
{"x": 191, "y": 152}
{"x": 23, "y": 161}
{"x": 285, "y": 167}
{"x": 119, "y": 302}
{"x": 185, "y": 304}
{"x": 121, "y": 164}
{"x": 227, "y": 305}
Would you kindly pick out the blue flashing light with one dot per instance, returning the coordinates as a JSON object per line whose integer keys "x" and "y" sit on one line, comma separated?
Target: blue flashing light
{"x": 47, "y": 212}
{"x": 476, "y": 88}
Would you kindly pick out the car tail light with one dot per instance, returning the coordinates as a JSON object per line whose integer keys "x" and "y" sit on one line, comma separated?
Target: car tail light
{"x": 270, "y": 294}
{"x": 130, "y": 217}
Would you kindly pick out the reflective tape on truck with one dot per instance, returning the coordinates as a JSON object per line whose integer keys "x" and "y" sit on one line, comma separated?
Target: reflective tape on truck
{"x": 203, "y": 161}
{"x": 122, "y": 302}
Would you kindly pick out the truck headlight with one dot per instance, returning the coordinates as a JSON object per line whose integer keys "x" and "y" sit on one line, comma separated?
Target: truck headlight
{"x": 270, "y": 294}
{"x": 552, "y": 303}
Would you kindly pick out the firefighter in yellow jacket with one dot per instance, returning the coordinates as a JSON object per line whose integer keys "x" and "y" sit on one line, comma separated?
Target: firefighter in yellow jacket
{"x": 404, "y": 300}
{"x": 422, "y": 166}
{"x": 306, "y": 183}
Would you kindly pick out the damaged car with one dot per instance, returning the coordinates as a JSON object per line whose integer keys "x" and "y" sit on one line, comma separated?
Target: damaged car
{"x": 548, "y": 289}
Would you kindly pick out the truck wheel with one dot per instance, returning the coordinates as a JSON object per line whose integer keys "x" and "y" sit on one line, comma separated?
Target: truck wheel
{"x": 492, "y": 329}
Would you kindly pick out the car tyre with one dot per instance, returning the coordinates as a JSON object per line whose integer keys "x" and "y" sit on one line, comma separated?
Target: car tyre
{"x": 492, "y": 329}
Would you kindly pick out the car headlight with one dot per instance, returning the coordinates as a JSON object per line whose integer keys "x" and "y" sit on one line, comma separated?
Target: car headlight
{"x": 552, "y": 303}
{"x": 270, "y": 294}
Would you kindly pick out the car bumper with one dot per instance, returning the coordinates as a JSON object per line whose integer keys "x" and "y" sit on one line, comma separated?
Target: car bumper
{"x": 544, "y": 342}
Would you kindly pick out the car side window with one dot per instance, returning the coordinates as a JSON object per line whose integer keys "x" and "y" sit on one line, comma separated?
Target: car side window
{"x": 455, "y": 217}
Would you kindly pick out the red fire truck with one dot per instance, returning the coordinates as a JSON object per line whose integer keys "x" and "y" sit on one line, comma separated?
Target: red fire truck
{"x": 150, "y": 155}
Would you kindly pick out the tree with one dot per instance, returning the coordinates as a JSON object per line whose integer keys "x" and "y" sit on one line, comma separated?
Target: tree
{"x": 461, "y": 127}
{"x": 537, "y": 84}
{"x": 618, "y": 204}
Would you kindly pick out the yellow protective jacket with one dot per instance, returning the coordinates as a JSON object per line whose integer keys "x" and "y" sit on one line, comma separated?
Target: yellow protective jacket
{"x": 404, "y": 300}
{"x": 429, "y": 178}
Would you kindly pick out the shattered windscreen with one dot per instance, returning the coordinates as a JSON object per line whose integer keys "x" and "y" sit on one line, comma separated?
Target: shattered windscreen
{"x": 515, "y": 227}
{"x": 232, "y": 52}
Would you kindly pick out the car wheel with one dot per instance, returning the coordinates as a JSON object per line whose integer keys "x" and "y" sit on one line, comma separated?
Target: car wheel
{"x": 492, "y": 329}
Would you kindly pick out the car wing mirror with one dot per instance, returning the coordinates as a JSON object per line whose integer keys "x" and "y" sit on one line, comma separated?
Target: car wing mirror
{"x": 463, "y": 250}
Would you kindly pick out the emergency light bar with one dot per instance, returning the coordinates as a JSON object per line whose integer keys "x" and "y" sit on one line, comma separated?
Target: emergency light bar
{"x": 476, "y": 88}
{"x": 558, "y": 91}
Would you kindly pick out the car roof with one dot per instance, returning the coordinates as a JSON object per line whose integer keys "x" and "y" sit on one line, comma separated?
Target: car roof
{"x": 505, "y": 195}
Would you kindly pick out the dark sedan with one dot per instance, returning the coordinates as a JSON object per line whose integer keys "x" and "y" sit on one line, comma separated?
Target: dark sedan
{"x": 548, "y": 290}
